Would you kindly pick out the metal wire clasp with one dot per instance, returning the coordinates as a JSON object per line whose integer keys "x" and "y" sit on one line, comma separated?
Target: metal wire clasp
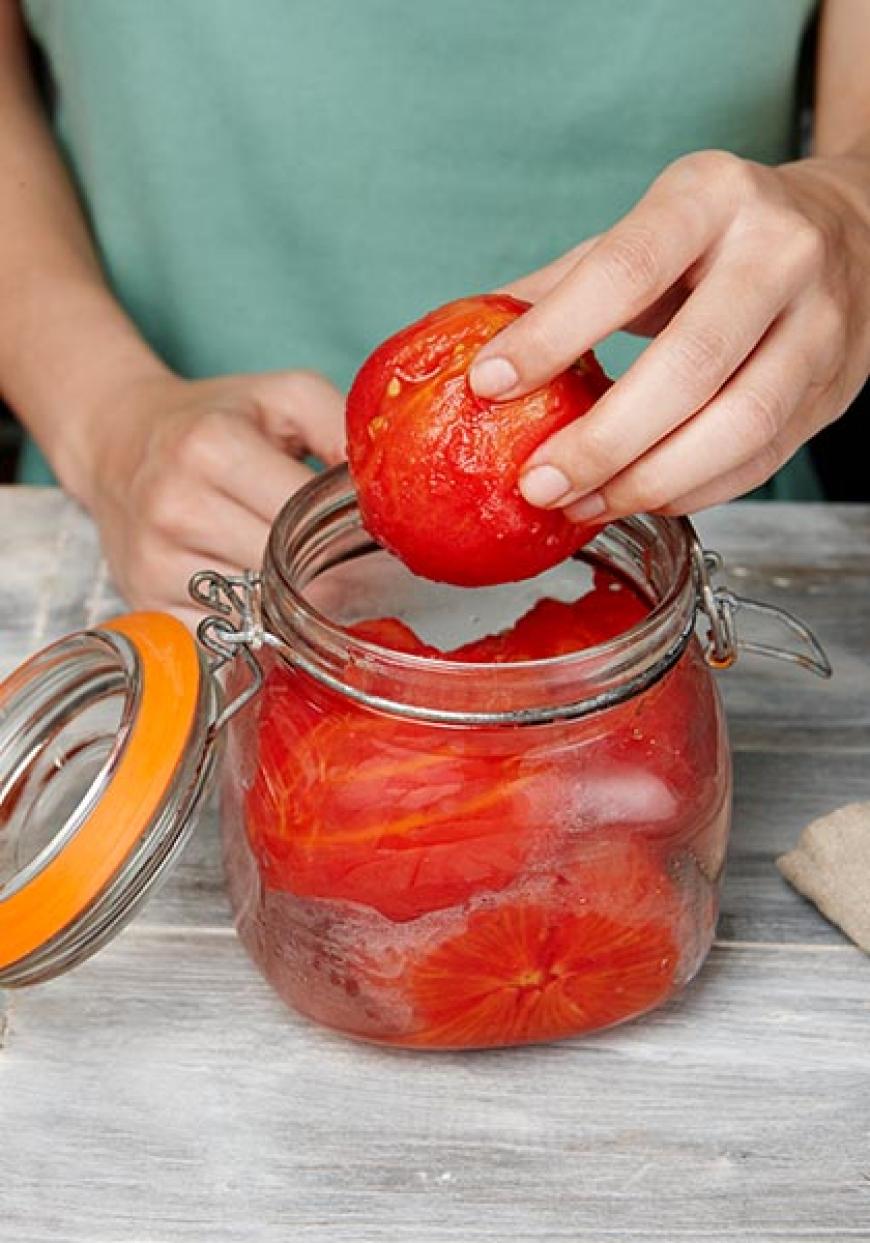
{"x": 721, "y": 605}
{"x": 226, "y": 596}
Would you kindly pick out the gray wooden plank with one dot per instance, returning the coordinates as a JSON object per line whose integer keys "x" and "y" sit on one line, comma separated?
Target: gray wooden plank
{"x": 775, "y": 797}
{"x": 778, "y": 533}
{"x": 833, "y": 538}
{"x": 813, "y": 560}
{"x": 53, "y": 578}
{"x": 162, "y": 1093}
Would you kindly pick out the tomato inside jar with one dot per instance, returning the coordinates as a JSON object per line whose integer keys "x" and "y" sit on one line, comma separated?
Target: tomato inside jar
{"x": 466, "y": 819}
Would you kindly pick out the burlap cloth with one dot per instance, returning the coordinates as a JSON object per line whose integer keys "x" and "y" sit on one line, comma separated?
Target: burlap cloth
{"x": 831, "y": 866}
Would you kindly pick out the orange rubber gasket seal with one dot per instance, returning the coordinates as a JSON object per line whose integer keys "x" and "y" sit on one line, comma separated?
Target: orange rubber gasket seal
{"x": 170, "y": 674}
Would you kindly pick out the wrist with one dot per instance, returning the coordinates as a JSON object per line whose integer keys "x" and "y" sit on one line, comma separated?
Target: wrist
{"x": 836, "y": 192}
{"x": 845, "y": 176}
{"x": 108, "y": 436}
{"x": 68, "y": 356}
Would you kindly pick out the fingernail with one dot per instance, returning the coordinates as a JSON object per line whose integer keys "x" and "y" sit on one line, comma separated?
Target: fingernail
{"x": 493, "y": 376}
{"x": 544, "y": 486}
{"x": 588, "y": 507}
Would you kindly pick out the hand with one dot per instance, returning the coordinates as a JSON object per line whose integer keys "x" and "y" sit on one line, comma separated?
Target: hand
{"x": 190, "y": 474}
{"x": 753, "y": 281}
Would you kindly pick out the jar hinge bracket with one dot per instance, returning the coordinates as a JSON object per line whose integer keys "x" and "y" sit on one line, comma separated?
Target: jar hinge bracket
{"x": 720, "y": 606}
{"x": 232, "y": 629}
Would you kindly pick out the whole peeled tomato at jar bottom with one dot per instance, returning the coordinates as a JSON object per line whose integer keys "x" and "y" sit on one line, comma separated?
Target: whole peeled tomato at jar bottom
{"x": 606, "y": 937}
{"x": 533, "y": 971}
{"x": 597, "y": 942}
{"x": 436, "y": 467}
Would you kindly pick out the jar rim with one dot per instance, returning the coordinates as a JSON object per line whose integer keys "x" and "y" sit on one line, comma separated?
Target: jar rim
{"x": 325, "y": 512}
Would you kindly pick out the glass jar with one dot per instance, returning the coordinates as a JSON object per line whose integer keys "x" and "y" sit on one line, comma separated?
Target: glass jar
{"x": 438, "y": 854}
{"x": 419, "y": 851}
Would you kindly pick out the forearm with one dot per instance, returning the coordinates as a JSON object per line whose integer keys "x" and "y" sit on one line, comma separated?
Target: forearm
{"x": 841, "y": 141}
{"x": 846, "y": 162}
{"x": 66, "y": 347}
{"x": 841, "y": 124}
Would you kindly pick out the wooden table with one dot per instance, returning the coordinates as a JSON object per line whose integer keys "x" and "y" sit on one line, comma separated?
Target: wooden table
{"x": 161, "y": 1092}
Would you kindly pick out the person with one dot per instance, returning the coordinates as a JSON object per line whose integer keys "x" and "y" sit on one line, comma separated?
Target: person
{"x": 214, "y": 211}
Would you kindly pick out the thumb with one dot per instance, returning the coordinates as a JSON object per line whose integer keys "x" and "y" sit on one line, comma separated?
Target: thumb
{"x": 302, "y": 412}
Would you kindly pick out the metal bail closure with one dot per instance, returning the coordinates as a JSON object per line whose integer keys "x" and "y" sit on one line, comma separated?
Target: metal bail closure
{"x": 106, "y": 749}
{"x": 721, "y": 606}
{"x": 225, "y": 595}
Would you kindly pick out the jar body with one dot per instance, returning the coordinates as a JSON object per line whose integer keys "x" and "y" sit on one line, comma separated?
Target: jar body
{"x": 442, "y": 885}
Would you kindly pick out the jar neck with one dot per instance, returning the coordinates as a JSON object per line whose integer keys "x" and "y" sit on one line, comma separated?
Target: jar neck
{"x": 320, "y": 529}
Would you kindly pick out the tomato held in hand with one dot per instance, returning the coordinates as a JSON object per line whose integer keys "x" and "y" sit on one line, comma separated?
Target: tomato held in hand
{"x": 436, "y": 467}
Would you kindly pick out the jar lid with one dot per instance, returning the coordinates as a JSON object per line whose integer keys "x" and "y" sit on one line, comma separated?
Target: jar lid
{"x": 105, "y": 752}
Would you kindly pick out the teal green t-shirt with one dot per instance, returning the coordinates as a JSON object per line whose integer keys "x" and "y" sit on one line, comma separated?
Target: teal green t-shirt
{"x": 283, "y": 183}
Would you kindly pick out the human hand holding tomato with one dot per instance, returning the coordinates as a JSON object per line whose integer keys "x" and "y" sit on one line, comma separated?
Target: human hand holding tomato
{"x": 753, "y": 281}
{"x": 436, "y": 467}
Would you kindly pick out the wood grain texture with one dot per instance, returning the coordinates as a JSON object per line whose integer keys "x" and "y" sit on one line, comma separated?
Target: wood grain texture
{"x": 162, "y": 1093}
{"x": 775, "y": 795}
{"x": 52, "y": 574}
{"x": 813, "y": 560}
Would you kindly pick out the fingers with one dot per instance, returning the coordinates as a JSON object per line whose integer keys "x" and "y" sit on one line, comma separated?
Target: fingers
{"x": 677, "y": 375}
{"x": 742, "y": 436}
{"x": 180, "y": 530}
{"x": 536, "y": 284}
{"x": 231, "y": 454}
{"x": 210, "y": 525}
{"x": 261, "y": 478}
{"x": 629, "y": 269}
{"x": 751, "y": 474}
{"x": 651, "y": 321}
{"x": 189, "y": 617}
{"x": 303, "y": 412}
